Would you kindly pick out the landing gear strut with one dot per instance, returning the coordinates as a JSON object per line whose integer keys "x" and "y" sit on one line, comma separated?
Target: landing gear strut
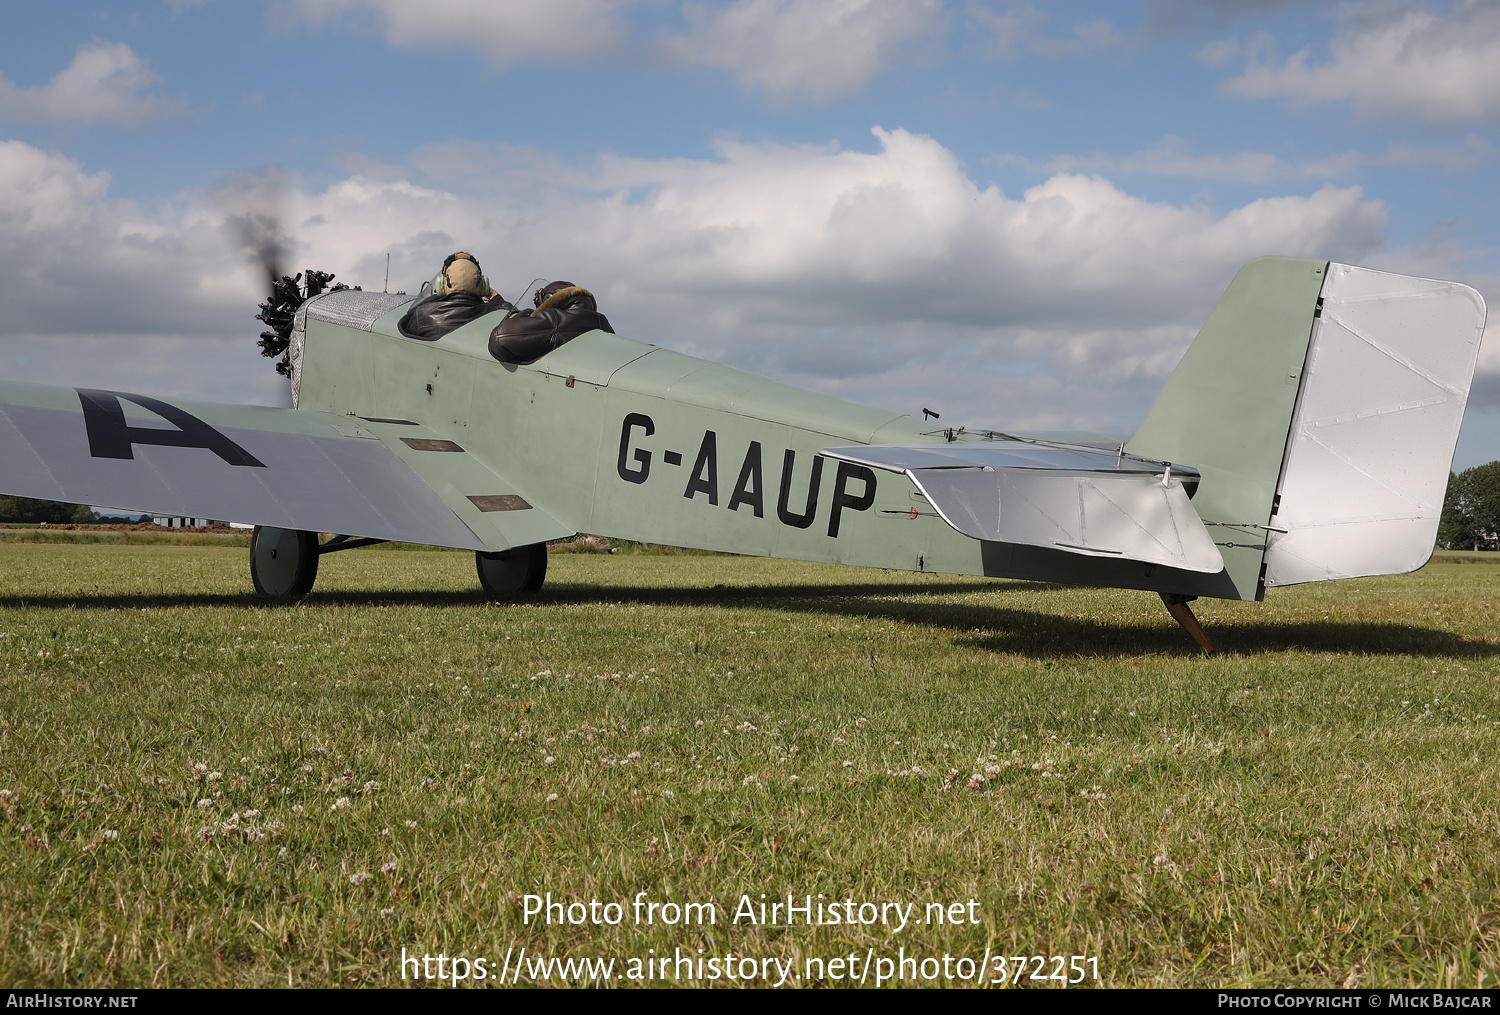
{"x": 519, "y": 570}
{"x": 1177, "y": 606}
{"x": 283, "y": 562}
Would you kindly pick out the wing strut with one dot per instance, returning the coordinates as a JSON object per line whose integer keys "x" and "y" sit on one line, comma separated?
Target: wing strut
{"x": 1177, "y": 606}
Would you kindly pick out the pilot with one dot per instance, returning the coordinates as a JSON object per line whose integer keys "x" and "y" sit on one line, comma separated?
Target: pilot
{"x": 563, "y": 312}
{"x": 462, "y": 295}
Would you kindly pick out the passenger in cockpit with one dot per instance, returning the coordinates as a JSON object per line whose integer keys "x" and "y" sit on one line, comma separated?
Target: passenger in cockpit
{"x": 462, "y": 294}
{"x": 563, "y": 312}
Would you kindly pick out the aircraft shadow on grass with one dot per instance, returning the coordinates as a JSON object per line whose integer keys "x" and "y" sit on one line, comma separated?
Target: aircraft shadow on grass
{"x": 989, "y": 626}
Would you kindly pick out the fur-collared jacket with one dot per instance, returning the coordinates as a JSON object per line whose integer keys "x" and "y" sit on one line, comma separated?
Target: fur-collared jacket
{"x": 526, "y": 336}
{"x": 435, "y": 317}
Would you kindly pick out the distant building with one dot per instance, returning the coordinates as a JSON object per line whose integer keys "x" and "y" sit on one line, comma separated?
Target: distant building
{"x": 181, "y": 522}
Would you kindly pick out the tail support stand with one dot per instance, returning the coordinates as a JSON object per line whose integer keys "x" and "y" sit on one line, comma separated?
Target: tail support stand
{"x": 1177, "y": 606}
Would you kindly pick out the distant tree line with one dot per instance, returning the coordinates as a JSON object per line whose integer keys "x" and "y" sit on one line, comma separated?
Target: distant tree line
{"x": 25, "y": 510}
{"x": 1471, "y": 510}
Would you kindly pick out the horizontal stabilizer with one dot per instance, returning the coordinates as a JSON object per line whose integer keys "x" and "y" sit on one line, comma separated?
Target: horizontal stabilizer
{"x": 1071, "y": 499}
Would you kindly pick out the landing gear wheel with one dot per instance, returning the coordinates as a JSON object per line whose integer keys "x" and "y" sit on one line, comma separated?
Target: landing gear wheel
{"x": 516, "y": 571}
{"x": 283, "y": 562}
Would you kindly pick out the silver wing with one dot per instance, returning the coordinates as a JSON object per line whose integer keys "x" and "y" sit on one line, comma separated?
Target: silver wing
{"x": 314, "y": 471}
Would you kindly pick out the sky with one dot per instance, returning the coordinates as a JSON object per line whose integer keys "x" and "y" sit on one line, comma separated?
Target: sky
{"x": 1015, "y": 214}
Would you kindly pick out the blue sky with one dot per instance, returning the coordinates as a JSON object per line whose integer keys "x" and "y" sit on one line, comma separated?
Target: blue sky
{"x": 1017, "y": 213}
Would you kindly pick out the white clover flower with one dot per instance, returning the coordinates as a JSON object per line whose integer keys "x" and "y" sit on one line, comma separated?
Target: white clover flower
{"x": 848, "y": 764}
{"x": 549, "y": 760}
{"x": 109, "y": 834}
{"x": 861, "y": 723}
{"x": 551, "y": 797}
{"x": 668, "y": 794}
{"x": 205, "y": 804}
{"x": 749, "y": 780}
{"x": 387, "y": 912}
{"x": 297, "y": 808}
{"x": 215, "y": 776}
{"x": 410, "y": 823}
{"x": 388, "y": 869}
{"x": 359, "y": 879}
{"x": 251, "y": 815}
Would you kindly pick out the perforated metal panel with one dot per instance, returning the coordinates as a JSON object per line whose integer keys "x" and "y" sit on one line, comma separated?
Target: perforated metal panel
{"x": 351, "y": 308}
{"x": 355, "y": 309}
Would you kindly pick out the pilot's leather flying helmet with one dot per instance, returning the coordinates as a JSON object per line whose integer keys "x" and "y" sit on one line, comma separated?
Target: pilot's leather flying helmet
{"x": 547, "y": 290}
{"x": 461, "y": 273}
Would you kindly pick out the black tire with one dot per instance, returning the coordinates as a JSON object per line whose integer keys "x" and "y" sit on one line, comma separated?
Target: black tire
{"x": 517, "y": 571}
{"x": 283, "y": 562}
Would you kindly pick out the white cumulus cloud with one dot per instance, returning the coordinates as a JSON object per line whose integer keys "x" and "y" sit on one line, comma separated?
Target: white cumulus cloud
{"x": 888, "y": 276}
{"x": 101, "y": 291}
{"x": 105, "y": 83}
{"x": 1172, "y": 158}
{"x": 506, "y": 32}
{"x": 1400, "y": 63}
{"x": 795, "y": 49}
{"x": 814, "y": 50}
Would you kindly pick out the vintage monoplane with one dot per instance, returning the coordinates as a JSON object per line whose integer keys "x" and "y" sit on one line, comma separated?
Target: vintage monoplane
{"x": 1306, "y": 435}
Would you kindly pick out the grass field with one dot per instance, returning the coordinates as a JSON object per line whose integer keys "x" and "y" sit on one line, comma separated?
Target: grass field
{"x": 197, "y": 788}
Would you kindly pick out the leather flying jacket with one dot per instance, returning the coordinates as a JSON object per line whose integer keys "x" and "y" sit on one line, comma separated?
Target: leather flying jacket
{"x": 435, "y": 317}
{"x": 527, "y": 336}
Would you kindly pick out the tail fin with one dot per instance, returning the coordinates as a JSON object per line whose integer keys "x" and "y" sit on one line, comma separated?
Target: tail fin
{"x": 1321, "y": 403}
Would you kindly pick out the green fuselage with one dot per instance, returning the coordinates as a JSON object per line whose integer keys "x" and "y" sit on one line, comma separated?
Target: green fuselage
{"x": 625, "y": 439}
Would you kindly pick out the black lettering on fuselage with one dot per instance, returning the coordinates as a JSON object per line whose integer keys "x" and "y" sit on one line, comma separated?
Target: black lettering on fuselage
{"x": 841, "y": 497}
{"x": 634, "y": 466}
{"x": 705, "y": 478}
{"x": 633, "y": 420}
{"x": 747, "y": 488}
{"x": 788, "y": 464}
{"x": 110, "y": 436}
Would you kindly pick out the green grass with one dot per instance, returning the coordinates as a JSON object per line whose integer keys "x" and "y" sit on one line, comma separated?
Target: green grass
{"x": 1317, "y": 805}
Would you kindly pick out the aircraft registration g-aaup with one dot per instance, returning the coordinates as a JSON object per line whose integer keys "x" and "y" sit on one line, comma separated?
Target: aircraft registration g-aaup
{"x": 1306, "y": 435}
